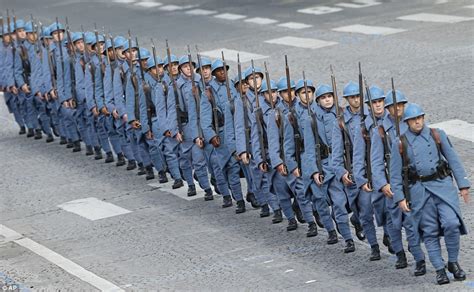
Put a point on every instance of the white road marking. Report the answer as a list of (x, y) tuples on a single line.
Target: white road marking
[(231, 55), (469, 6), (60, 261), (457, 128), (295, 25), (230, 16), (261, 20), (148, 4), (358, 4), (201, 12), (124, 1), (171, 7), (289, 271), (431, 17), (368, 29), (310, 281), (267, 262), (301, 42), (93, 208), (319, 10)]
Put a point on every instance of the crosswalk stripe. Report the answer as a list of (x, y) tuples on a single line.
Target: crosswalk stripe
[(295, 25), (93, 208), (124, 1), (201, 12), (367, 29), (457, 128), (358, 4), (469, 6), (431, 17), (319, 10), (231, 55), (148, 4), (171, 7), (306, 43), (230, 16), (261, 20)]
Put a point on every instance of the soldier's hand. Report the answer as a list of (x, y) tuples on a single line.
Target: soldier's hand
[(366, 187), (105, 111), (125, 118), (318, 179), (297, 172), (216, 141), (167, 134), (115, 114), (149, 135), (136, 124), (53, 94), (263, 167), (66, 104), (179, 137), (387, 191), (95, 112), (245, 158), (14, 90), (281, 168), (404, 206), (465, 195), (346, 180), (199, 142), (25, 88)]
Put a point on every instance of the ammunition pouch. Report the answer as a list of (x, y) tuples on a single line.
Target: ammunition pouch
[(442, 171)]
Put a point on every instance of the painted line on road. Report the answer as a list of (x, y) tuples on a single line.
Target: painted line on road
[(231, 55), (171, 8), (295, 25), (93, 208), (457, 128), (267, 262), (368, 29), (124, 1), (230, 16), (319, 10), (358, 4), (431, 17), (469, 6), (261, 20), (289, 271), (148, 4), (200, 12), (310, 281), (306, 43), (60, 261)]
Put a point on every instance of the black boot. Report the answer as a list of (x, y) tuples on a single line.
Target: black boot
[(375, 253), (250, 197), (120, 160), (264, 211), (292, 225), (213, 182), (332, 237), (109, 157), (49, 139), (22, 130), (77, 146), (227, 202), (420, 268), (297, 211), (62, 141), (132, 164), (401, 260), (141, 169), (149, 172), (191, 191), (38, 134), (162, 178), (178, 183), (31, 133), (208, 196), (358, 228), (277, 217), (89, 150), (240, 207), (350, 246), (441, 277), (387, 243), (318, 219), (98, 153), (70, 144), (457, 271), (312, 230)]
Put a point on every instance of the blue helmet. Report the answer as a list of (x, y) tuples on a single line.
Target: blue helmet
[(248, 72), (376, 93), (264, 88), (174, 59), (108, 45), (45, 33), (119, 42), (159, 60), (76, 36), (205, 62), (218, 64), (126, 46), (412, 111), (351, 89), (28, 27), (150, 63), (184, 60), (236, 78), (99, 38), (144, 54), (300, 84), (323, 89), (400, 97), (20, 23), (90, 37), (55, 26), (282, 84), (5, 29)]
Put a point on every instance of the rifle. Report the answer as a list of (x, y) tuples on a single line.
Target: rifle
[(71, 53), (197, 98), (103, 110), (175, 92), (227, 86), (61, 55), (150, 108), (259, 120), (23, 53), (86, 49), (366, 135), (314, 127), (3, 31), (212, 100), (245, 107), (293, 119), (345, 136), (134, 80)]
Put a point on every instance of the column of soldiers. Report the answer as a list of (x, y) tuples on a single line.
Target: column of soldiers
[(374, 162)]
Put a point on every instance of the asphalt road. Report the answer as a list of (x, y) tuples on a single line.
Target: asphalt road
[(168, 243)]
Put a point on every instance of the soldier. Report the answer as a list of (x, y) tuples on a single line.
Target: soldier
[(217, 121), (319, 168), (425, 166), (380, 153)]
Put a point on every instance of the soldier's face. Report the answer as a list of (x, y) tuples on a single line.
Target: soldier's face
[(305, 98), (153, 71), (7, 38), (101, 46), (111, 54), (119, 53), (58, 35), (326, 100), (288, 95), (161, 70), (378, 106), (31, 37), (143, 63), (354, 101), (416, 124), (131, 54), (243, 87), (79, 46), (271, 98), (400, 109), (186, 69), (206, 72), (174, 68), (258, 81), (220, 74), (21, 33)]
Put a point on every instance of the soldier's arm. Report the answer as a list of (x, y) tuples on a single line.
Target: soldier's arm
[(396, 180), (289, 145), (273, 140), (359, 159), (309, 163), (377, 160), (454, 162), (206, 118), (338, 152)]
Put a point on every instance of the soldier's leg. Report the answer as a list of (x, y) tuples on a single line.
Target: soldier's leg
[(155, 154), (219, 174), (232, 172), (31, 112), (319, 199), (270, 198), (171, 158), (430, 227), (366, 216), (102, 135), (298, 188), (13, 108), (413, 238), (339, 199), (281, 189), (450, 225), (200, 166), (185, 162), (40, 106), (114, 137)]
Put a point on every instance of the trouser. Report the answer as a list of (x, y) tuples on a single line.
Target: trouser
[(296, 184), (283, 192), (102, 134), (31, 114), (191, 157), (40, 106), (168, 144), (320, 203), (113, 135), (13, 108), (262, 184), (337, 196)]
